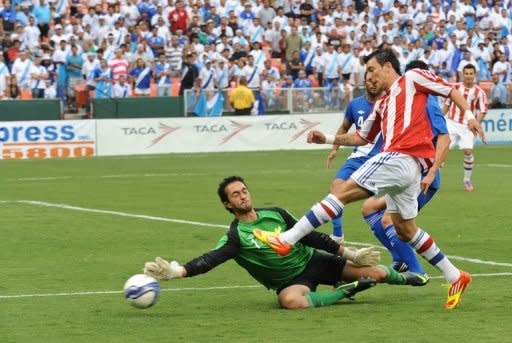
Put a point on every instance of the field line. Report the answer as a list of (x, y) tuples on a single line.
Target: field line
[(118, 213), (183, 289), (189, 222)]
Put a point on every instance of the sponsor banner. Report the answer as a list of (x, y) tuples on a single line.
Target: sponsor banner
[(47, 139), (498, 126), (180, 135)]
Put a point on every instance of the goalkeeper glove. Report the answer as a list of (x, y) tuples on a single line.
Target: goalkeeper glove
[(160, 269), (364, 257)]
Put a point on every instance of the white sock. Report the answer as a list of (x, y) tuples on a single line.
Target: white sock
[(427, 248), (468, 166), (319, 214)]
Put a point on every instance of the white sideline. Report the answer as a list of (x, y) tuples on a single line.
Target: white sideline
[(181, 221), (185, 289)]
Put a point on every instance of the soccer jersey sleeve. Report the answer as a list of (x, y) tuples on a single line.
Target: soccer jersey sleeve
[(228, 248), (427, 82), (371, 126)]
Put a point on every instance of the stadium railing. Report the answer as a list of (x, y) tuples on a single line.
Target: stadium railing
[(270, 101)]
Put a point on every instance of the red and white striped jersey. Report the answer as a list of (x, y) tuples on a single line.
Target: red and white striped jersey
[(474, 96), (402, 117)]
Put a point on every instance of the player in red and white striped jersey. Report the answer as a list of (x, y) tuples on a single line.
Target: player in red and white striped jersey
[(395, 172), (457, 124)]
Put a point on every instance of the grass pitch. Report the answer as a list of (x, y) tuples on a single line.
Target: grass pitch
[(74, 230)]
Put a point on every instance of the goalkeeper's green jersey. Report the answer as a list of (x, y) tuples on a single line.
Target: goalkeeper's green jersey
[(257, 258)]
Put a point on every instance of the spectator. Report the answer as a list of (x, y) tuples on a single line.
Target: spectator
[(13, 91), (21, 70), (499, 93), (178, 18), (163, 72), (38, 76), (42, 14), (73, 66), (122, 88), (295, 65), (292, 43), (119, 64), (103, 78), (141, 78), (189, 73)]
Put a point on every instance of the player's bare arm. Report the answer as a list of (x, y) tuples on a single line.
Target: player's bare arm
[(341, 130), (473, 123), (351, 139), (442, 148)]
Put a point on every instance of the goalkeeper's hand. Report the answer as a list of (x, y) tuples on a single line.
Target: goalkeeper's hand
[(160, 269), (364, 257)]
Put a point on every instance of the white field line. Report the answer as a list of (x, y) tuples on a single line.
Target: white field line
[(118, 213), (184, 289), (149, 175), (180, 221)]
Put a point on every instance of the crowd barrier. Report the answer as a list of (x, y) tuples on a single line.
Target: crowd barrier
[(113, 137)]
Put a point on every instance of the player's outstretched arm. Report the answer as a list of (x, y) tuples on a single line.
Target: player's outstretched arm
[(335, 147), (160, 269), (442, 148), (352, 139)]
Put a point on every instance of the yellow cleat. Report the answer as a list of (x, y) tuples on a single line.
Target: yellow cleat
[(456, 289), (272, 240)]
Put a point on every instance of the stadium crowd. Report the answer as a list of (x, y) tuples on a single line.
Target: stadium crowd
[(162, 47)]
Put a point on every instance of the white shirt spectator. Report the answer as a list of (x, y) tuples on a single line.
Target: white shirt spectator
[(121, 91)]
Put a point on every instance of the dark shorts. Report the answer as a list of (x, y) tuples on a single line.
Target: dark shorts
[(322, 269)]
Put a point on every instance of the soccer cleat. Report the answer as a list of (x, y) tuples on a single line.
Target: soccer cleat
[(272, 240), (338, 239), (456, 289), (415, 279), (399, 266), (468, 187), (360, 285)]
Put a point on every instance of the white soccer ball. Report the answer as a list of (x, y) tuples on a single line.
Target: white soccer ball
[(141, 291)]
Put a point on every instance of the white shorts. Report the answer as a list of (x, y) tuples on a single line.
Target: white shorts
[(397, 177), (140, 91), (460, 135)]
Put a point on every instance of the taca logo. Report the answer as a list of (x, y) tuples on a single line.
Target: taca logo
[(36, 133)]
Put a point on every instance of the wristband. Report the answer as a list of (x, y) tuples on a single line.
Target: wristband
[(469, 115), (329, 139)]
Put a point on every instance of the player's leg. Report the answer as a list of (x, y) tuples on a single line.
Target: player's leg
[(373, 211), (403, 214), (327, 209), (381, 274), (324, 211), (404, 257), (468, 169), (324, 269), (343, 174)]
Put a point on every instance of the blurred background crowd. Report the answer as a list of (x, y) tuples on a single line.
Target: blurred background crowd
[(112, 48)]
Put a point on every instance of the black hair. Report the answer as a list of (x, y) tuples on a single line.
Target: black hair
[(416, 64), (221, 190), (383, 56), (469, 66)]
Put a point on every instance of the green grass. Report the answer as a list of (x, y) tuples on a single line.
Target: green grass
[(54, 250)]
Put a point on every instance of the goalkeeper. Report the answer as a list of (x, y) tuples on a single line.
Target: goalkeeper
[(294, 277)]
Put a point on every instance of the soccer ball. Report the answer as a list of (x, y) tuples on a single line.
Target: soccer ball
[(141, 291)]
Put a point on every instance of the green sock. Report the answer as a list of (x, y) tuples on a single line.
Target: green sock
[(318, 299), (393, 277)]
